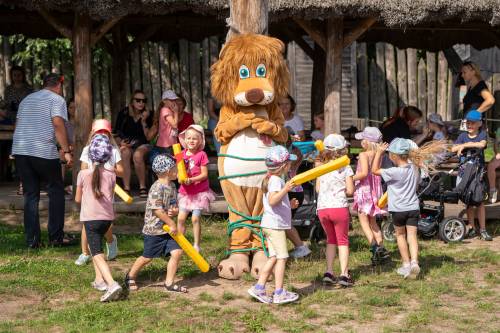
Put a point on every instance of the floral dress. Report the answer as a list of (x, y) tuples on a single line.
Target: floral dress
[(367, 192)]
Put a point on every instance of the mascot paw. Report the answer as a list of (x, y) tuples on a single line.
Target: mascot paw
[(233, 267), (258, 262), (263, 126)]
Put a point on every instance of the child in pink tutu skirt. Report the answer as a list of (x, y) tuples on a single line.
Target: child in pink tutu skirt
[(368, 189), (195, 194)]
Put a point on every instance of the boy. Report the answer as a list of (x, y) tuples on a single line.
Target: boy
[(469, 146), (492, 168), (160, 208)]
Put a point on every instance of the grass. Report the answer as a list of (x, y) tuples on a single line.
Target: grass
[(43, 291)]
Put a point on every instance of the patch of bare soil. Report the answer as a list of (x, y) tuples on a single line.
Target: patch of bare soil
[(14, 307)]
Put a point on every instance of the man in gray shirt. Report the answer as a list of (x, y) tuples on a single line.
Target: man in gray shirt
[(39, 125)]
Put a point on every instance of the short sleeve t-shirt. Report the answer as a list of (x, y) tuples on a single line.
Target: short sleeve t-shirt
[(34, 134), (466, 153), (473, 98), (166, 134), (187, 120), (296, 124), (93, 209), (109, 165), (332, 189), (402, 185), (279, 216), (193, 168), (160, 196)]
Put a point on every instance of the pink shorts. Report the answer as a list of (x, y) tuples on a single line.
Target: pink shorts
[(335, 222)]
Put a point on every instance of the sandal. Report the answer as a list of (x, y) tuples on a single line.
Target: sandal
[(176, 288), (130, 283), (143, 193)]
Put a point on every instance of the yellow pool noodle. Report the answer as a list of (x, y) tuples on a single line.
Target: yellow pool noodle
[(318, 144), (382, 202), (181, 167), (123, 195), (321, 170), (189, 249)]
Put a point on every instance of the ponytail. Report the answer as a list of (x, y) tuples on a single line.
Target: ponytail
[(96, 180), (427, 156)]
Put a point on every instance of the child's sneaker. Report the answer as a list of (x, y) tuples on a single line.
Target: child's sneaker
[(346, 281), (414, 270), (285, 297), (404, 271), (83, 259), (101, 286), (485, 236), (493, 196), (112, 248), (300, 252), (259, 294), (329, 278), (471, 233), (112, 293)]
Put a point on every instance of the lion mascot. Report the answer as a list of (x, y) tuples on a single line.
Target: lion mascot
[(247, 79)]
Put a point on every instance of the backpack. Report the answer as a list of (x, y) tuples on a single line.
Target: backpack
[(471, 189)]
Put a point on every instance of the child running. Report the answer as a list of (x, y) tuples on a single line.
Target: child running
[(95, 188), (333, 209), (276, 219), (368, 189), (194, 194), (101, 127), (161, 207)]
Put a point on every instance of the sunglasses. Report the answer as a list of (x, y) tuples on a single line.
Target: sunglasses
[(141, 100)]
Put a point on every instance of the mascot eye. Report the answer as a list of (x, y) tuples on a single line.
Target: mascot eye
[(261, 70), (244, 72)]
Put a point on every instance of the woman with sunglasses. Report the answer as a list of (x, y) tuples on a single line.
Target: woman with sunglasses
[(132, 128)]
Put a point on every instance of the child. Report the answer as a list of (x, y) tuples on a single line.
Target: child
[(368, 189), (165, 125), (160, 208), (492, 168), (470, 147), (436, 127), (194, 194), (101, 127), (404, 206), (333, 209), (276, 219), (319, 125), (95, 188)]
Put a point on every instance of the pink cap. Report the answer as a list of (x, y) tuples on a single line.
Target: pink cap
[(101, 124), (371, 134)]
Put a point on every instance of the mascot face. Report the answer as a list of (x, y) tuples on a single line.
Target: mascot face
[(251, 71)]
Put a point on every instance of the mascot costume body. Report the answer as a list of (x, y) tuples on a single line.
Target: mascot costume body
[(248, 79)]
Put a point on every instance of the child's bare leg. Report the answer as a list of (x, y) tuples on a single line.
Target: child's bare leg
[(181, 221), (173, 264), (471, 218), (109, 235), (195, 218), (103, 268), (402, 245), (364, 220), (481, 216), (411, 234), (279, 273), (266, 271), (84, 242), (377, 234), (343, 259), (330, 257), (98, 275), (137, 266)]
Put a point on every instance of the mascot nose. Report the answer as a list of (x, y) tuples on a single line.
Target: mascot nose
[(254, 95)]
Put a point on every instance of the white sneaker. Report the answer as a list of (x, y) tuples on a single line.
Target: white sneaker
[(300, 252), (414, 270), (83, 259), (404, 271), (493, 196), (112, 248), (197, 248), (101, 286), (112, 293)]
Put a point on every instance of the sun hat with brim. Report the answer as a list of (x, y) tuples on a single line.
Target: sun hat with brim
[(277, 156), (371, 134), (100, 149), (435, 118), (101, 125), (473, 115), (335, 142), (197, 128), (400, 146), (162, 163), (169, 94)]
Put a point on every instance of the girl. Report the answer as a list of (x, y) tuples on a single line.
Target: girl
[(435, 130), (94, 191), (276, 219), (294, 121), (401, 124), (333, 209), (101, 127), (194, 194), (165, 125), (319, 124), (368, 189)]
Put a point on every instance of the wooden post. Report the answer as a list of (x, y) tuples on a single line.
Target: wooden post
[(362, 77), (318, 81), (184, 72), (412, 76), (381, 80), (390, 71), (247, 17), (422, 86), (155, 74), (442, 86), (82, 60), (402, 77), (333, 73), (431, 82)]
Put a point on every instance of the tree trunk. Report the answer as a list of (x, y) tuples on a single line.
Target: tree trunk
[(318, 82), (247, 17), (333, 76)]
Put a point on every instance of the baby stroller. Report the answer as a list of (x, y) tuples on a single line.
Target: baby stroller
[(305, 219)]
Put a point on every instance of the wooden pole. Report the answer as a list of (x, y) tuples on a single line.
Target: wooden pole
[(362, 78), (82, 60), (333, 73), (318, 81), (359, 30), (247, 17), (315, 33)]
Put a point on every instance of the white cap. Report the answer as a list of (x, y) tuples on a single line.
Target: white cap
[(335, 142), (169, 94)]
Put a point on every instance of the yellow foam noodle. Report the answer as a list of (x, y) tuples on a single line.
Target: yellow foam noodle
[(189, 249), (123, 195), (321, 170), (318, 144), (382, 202), (181, 167)]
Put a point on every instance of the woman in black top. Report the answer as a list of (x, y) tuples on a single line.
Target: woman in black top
[(400, 125), (478, 95), (132, 128)]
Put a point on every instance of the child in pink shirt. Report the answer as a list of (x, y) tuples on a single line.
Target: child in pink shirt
[(166, 121), (195, 194)]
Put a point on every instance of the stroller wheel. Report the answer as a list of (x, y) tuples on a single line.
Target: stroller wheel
[(388, 231), (452, 229), (316, 234)]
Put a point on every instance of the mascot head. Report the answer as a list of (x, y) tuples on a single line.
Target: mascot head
[(250, 71)]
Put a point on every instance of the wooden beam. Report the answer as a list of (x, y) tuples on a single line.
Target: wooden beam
[(333, 73), (247, 17), (297, 38), (359, 30), (56, 24), (150, 31), (318, 82), (103, 29), (316, 34)]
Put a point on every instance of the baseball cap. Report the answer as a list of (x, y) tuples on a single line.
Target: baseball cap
[(197, 128), (169, 94), (100, 149), (335, 142), (278, 155), (400, 146), (101, 124), (435, 118), (473, 115), (162, 163), (371, 134)]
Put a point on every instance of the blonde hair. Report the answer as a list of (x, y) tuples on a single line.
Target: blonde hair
[(327, 155), (372, 146), (191, 130), (425, 156), (272, 172), (475, 68)]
